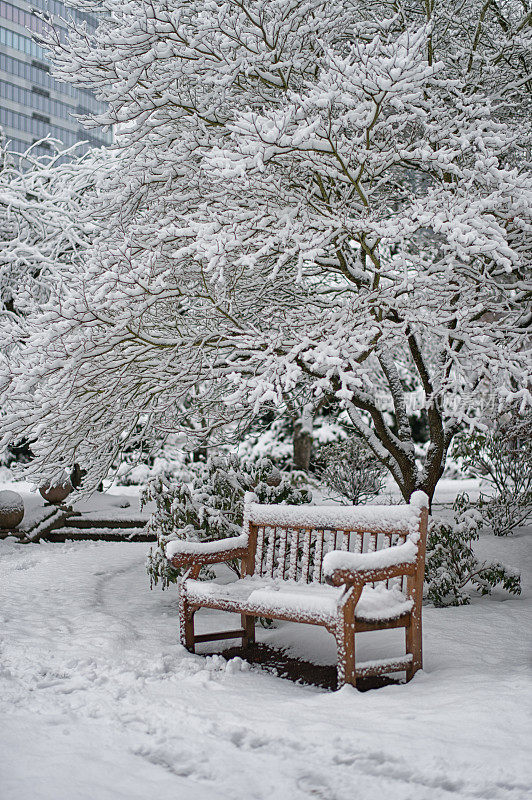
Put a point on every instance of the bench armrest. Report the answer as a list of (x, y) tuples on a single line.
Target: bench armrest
[(182, 553), (341, 567)]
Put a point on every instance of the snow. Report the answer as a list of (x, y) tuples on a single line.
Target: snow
[(98, 700), (116, 503), (296, 599), (447, 489), (120, 503), (182, 547), (362, 562), (271, 596), (401, 519), (263, 594)]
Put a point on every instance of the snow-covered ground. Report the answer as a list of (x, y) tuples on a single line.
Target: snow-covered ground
[(99, 702)]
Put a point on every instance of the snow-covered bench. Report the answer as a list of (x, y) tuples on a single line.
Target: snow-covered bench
[(349, 569)]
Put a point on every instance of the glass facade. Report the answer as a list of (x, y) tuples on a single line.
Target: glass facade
[(33, 104), (15, 41), (40, 100), (20, 17)]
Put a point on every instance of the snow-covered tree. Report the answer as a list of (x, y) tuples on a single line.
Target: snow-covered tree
[(40, 222), (42, 228), (321, 199)]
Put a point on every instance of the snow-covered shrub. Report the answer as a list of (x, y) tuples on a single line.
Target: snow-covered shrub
[(134, 472), (351, 470), (211, 506), (269, 437), (451, 565), (503, 458)]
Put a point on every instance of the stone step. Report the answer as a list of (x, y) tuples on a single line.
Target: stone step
[(86, 521), (37, 529), (106, 534)]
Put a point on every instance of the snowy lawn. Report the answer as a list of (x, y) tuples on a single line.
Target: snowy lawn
[(98, 701)]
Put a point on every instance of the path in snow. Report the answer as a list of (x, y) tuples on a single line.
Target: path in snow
[(99, 702)]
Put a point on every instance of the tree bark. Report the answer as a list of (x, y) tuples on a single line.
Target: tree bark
[(302, 441), (303, 425)]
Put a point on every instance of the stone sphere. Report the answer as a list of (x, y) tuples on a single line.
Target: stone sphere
[(56, 494), (274, 478), (11, 509)]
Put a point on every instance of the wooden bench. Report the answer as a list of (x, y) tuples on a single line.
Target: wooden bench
[(348, 569)]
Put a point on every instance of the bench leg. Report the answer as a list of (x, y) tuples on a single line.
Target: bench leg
[(248, 626), (345, 642), (189, 629), (413, 635), (186, 622)]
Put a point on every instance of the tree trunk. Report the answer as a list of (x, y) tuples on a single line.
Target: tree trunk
[(302, 439), (424, 482), (302, 447)]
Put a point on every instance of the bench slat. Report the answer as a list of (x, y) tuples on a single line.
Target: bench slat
[(213, 637), (259, 551), (294, 546), (366, 668), (305, 561), (282, 553), (270, 551), (318, 557)]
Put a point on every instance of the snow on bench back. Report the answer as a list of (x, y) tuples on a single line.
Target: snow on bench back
[(293, 540), (373, 519)]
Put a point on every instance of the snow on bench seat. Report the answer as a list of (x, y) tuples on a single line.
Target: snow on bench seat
[(288, 598)]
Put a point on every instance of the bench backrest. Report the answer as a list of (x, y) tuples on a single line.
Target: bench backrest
[(290, 542)]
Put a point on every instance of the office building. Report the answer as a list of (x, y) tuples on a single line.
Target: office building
[(32, 103)]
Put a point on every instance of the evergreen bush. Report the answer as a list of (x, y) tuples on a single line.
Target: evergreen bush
[(211, 506), (503, 458), (451, 565)]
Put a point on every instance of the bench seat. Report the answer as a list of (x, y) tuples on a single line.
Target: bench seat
[(266, 597)]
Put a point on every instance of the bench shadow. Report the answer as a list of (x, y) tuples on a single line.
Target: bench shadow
[(297, 670)]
